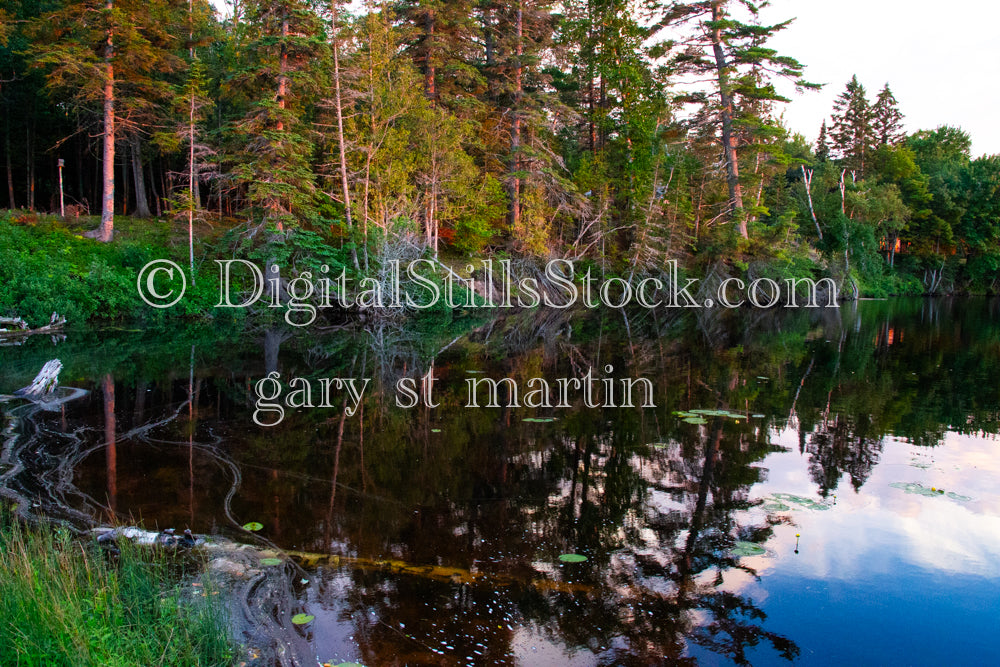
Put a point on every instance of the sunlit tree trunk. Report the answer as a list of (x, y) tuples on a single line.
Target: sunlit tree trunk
[(107, 228), (515, 129), (339, 108), (726, 112)]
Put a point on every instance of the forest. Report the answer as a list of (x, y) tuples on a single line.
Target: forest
[(624, 134)]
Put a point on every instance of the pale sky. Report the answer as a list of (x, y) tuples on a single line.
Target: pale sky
[(942, 61)]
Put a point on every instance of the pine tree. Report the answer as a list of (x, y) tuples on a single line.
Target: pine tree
[(111, 55), (282, 76), (441, 38), (735, 55), (887, 119), (823, 144), (852, 127)]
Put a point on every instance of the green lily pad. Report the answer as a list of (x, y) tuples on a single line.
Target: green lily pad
[(695, 420), (741, 549), (701, 413), (435, 430), (930, 492), (302, 619), (800, 501), (573, 558), (253, 526), (270, 561), (775, 506), (538, 420)]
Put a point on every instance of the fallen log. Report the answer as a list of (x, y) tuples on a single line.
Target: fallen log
[(21, 328)]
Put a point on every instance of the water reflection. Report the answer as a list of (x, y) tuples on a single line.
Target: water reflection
[(437, 532)]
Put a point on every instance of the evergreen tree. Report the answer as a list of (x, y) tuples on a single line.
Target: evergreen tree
[(823, 144), (282, 76), (111, 55), (852, 132), (735, 55), (441, 38), (887, 119)]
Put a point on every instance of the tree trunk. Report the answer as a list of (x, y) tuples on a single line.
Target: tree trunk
[(10, 169), (141, 201), (430, 71), (807, 177), (30, 158), (107, 229), (515, 130), (728, 136), (339, 107)]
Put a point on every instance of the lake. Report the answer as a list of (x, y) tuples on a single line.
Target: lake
[(811, 487)]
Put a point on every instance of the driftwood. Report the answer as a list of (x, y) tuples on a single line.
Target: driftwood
[(21, 328), (44, 384)]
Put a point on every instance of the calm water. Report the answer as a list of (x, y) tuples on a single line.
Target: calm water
[(846, 509)]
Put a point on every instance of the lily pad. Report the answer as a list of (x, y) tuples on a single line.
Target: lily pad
[(800, 501), (302, 619), (930, 492), (538, 420), (573, 558), (270, 561), (741, 549), (775, 506), (253, 526), (435, 430), (695, 420), (701, 413)]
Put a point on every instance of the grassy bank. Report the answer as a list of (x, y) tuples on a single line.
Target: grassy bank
[(63, 603)]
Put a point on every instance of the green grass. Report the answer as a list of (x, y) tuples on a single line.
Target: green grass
[(62, 602)]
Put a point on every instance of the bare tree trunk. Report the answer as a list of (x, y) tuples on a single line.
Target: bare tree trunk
[(728, 136), (141, 201), (339, 106), (107, 229), (515, 130), (843, 192), (10, 169), (807, 177), (30, 156), (430, 71)]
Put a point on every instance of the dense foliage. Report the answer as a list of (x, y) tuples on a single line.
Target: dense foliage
[(627, 133)]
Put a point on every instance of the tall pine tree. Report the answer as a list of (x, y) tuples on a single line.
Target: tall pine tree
[(734, 54), (852, 132), (887, 119), (282, 75), (823, 144), (109, 55)]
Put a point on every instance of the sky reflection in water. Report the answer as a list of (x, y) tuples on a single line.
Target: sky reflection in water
[(881, 394)]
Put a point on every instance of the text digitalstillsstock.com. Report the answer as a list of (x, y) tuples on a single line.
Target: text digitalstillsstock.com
[(425, 283), (162, 284)]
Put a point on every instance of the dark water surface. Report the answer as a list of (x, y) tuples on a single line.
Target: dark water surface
[(844, 510)]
